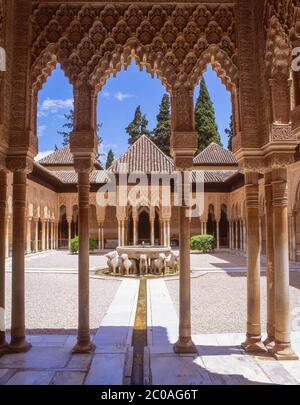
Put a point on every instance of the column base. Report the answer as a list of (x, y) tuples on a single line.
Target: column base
[(269, 343), (83, 347), (19, 345), (185, 345), (283, 351), (253, 344)]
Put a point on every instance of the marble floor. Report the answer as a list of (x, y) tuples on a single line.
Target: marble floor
[(220, 359)]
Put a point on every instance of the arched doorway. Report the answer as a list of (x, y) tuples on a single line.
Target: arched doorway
[(144, 231), (211, 221), (224, 227), (63, 228)]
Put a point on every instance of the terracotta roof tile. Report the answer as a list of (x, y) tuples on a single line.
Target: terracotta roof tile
[(71, 177), (143, 156), (215, 155), (59, 157)]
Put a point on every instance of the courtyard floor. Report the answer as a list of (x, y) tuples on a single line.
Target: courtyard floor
[(218, 324)]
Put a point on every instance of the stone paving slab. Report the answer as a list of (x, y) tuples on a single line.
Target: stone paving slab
[(221, 359)]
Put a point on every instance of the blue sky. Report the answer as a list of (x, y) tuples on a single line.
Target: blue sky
[(117, 102)]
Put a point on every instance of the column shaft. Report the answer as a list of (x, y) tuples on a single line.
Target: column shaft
[(152, 232), (83, 339), (218, 235), (18, 340), (28, 236), (253, 341), (282, 349), (270, 261), (184, 343), (3, 239)]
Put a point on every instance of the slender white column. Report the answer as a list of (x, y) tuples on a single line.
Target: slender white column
[(43, 235), (218, 235), (102, 237), (28, 236), (293, 238), (245, 236), (36, 234), (7, 237), (99, 238), (152, 232), (241, 234), (69, 234), (135, 236)]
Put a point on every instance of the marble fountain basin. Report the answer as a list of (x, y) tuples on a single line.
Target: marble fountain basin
[(152, 252)]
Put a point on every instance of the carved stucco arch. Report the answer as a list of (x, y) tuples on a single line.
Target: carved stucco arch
[(95, 40)]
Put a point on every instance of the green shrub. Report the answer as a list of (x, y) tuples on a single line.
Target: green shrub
[(93, 244), (75, 244), (203, 243)]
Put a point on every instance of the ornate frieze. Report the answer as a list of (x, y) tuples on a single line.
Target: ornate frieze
[(166, 39)]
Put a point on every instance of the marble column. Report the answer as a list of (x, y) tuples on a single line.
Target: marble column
[(230, 230), (184, 343), (3, 238), (43, 235), (218, 234), (36, 234), (293, 237), (245, 237), (269, 342), (7, 241), (47, 234), (135, 233), (253, 341), (83, 344), (28, 235), (18, 338), (183, 146), (241, 235), (69, 233), (52, 234), (99, 237), (152, 232), (282, 349), (102, 237)]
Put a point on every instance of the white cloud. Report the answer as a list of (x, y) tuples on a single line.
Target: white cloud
[(41, 130), (53, 106), (122, 96), (41, 155), (105, 93)]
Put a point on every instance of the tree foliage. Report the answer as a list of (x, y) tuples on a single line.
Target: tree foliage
[(110, 159), (162, 132), (230, 133), (137, 127), (205, 120)]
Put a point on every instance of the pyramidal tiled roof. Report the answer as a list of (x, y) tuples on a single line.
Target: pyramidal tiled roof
[(143, 156), (215, 154), (59, 157)]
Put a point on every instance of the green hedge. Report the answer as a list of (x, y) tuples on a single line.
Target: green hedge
[(75, 244), (203, 243)]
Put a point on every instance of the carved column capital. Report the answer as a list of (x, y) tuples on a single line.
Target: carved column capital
[(83, 164), (19, 163)]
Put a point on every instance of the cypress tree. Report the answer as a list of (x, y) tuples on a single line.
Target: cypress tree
[(162, 132), (205, 119), (229, 132), (110, 159), (137, 127)]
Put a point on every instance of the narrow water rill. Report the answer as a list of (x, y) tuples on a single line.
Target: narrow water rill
[(139, 337)]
